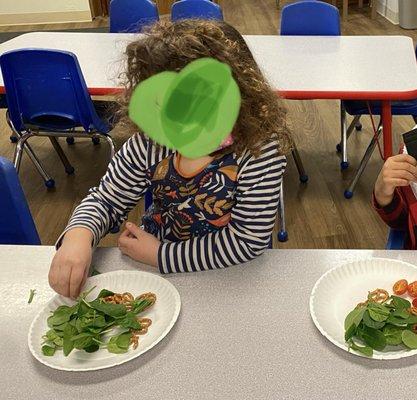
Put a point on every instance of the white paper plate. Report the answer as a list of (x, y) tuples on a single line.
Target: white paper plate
[(337, 292), (164, 313)]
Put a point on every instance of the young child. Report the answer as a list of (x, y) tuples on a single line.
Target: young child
[(394, 198), (207, 213)]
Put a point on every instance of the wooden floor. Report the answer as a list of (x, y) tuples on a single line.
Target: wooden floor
[(318, 216)]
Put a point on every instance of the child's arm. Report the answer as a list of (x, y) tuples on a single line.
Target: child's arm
[(249, 231), (105, 208), (398, 171)]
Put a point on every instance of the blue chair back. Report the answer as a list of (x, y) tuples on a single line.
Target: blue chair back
[(202, 9), (310, 17), (16, 223), (396, 240), (46, 88), (132, 15)]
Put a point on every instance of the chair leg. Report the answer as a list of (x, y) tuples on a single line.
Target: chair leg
[(343, 140), (69, 169), (299, 164), (355, 124), (111, 145), (19, 149), (368, 153), (282, 233)]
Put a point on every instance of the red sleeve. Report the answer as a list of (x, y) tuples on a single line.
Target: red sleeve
[(395, 214)]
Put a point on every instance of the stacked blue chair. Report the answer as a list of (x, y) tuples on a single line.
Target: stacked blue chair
[(201, 9), (16, 222), (132, 15), (47, 96)]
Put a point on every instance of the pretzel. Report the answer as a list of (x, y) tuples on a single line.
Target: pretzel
[(378, 296)]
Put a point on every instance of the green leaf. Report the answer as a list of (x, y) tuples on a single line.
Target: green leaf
[(350, 332), (61, 315), (354, 317), (401, 313), (400, 303), (68, 345), (31, 295), (139, 306), (396, 321), (105, 293), (378, 312), (373, 338), (412, 319), (365, 350), (130, 321), (48, 350), (392, 335), (120, 343), (371, 323), (113, 310), (92, 348), (409, 339)]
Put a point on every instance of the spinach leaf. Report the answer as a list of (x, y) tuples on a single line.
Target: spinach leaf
[(378, 312), (366, 350), (409, 339), (401, 313), (140, 305), (68, 345), (92, 348), (371, 323), (61, 315), (373, 338), (392, 335), (130, 321), (31, 295), (105, 293), (354, 317), (113, 310), (48, 350), (412, 319), (120, 343), (400, 303), (396, 321)]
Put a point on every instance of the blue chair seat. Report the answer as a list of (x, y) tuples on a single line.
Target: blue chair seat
[(356, 107)]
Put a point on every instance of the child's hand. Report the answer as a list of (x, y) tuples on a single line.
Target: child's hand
[(69, 268), (139, 245), (399, 170)]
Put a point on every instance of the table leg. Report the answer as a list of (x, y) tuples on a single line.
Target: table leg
[(373, 9), (345, 9), (387, 128), (360, 3)]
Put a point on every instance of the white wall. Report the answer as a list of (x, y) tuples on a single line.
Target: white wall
[(389, 9), (22, 11)]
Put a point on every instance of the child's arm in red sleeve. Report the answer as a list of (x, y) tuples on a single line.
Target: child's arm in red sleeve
[(395, 214)]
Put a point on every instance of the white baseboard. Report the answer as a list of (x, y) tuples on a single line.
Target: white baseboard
[(390, 15), (45, 18)]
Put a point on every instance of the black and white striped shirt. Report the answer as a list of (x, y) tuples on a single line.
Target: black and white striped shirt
[(246, 236)]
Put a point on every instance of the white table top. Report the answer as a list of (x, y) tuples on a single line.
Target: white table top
[(303, 67), (262, 344)]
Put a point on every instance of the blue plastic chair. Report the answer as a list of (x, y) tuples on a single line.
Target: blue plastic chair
[(47, 96), (132, 15), (201, 9), (396, 240), (310, 17), (16, 222)]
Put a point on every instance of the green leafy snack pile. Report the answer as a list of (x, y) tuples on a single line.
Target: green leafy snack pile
[(87, 324), (381, 321)]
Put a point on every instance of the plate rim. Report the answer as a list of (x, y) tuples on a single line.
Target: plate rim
[(174, 319), (324, 332)]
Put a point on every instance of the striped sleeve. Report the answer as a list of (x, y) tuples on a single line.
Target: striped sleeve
[(249, 231), (125, 182)]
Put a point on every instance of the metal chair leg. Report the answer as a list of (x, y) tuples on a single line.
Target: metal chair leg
[(282, 233), (368, 153), (69, 169), (111, 145), (299, 164), (343, 141), (19, 149)]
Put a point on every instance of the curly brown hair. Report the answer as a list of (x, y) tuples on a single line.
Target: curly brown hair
[(170, 46)]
